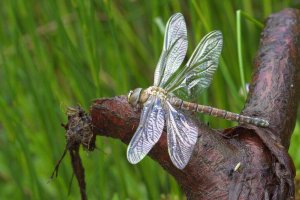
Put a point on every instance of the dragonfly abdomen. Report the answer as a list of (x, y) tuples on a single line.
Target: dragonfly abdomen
[(184, 105)]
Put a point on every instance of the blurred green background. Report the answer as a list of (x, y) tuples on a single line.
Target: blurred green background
[(56, 53)]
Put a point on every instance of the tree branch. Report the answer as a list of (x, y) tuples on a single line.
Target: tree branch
[(266, 170), (275, 89)]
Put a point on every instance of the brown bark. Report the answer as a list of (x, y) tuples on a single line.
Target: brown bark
[(266, 170)]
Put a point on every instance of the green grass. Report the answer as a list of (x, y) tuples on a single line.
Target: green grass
[(59, 53)]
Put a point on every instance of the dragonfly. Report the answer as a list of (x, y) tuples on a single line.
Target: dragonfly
[(161, 104)]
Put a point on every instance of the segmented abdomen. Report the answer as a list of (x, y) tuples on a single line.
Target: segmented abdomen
[(217, 112)]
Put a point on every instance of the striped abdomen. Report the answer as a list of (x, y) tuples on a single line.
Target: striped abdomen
[(217, 112)]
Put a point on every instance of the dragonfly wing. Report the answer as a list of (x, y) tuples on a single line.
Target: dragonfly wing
[(149, 130), (182, 136), (199, 70), (174, 49)]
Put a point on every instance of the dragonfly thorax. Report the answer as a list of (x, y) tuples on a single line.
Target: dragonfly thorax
[(156, 91), (140, 96)]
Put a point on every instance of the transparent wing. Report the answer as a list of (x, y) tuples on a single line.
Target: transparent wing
[(148, 132), (198, 72), (182, 136), (174, 49)]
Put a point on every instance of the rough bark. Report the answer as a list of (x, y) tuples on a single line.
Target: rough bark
[(266, 170)]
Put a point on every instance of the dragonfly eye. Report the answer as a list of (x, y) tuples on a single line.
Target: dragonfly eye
[(129, 95), (134, 96)]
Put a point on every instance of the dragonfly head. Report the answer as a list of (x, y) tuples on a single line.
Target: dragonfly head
[(134, 96)]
